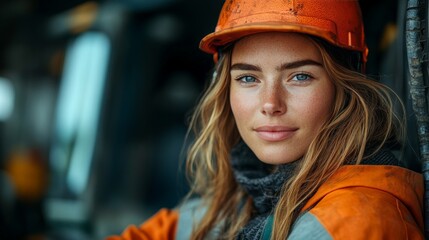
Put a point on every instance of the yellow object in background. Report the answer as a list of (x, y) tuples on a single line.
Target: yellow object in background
[(28, 173), (389, 35)]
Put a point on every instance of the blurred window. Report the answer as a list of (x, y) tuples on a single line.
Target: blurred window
[(78, 110), (7, 97)]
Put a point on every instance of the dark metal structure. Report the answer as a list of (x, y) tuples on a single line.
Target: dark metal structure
[(417, 52)]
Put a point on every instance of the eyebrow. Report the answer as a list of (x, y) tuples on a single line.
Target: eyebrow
[(285, 66)]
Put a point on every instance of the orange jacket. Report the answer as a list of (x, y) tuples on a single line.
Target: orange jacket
[(357, 202)]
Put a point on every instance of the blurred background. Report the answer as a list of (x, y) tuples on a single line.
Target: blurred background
[(94, 102)]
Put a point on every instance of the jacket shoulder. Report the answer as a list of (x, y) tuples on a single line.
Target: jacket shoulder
[(365, 213), (190, 213)]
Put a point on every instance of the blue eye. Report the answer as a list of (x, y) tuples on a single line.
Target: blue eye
[(247, 79), (301, 77)]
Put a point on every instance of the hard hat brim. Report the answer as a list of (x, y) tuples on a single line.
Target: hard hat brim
[(213, 41)]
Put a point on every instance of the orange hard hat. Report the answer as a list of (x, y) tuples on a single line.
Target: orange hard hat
[(339, 22)]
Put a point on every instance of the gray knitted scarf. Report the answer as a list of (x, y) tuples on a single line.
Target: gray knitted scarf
[(263, 183)]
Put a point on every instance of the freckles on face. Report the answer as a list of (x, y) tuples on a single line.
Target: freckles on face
[(280, 94)]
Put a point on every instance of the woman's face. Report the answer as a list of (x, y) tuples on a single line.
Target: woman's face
[(280, 94)]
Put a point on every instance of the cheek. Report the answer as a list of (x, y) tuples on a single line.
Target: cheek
[(238, 111), (320, 106), (313, 108), (240, 106)]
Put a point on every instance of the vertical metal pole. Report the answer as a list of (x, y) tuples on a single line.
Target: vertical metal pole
[(415, 31)]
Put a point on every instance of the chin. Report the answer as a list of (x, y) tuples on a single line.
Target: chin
[(273, 159)]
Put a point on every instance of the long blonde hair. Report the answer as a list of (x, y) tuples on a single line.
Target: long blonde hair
[(362, 116)]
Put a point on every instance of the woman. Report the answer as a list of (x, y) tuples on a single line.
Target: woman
[(292, 140)]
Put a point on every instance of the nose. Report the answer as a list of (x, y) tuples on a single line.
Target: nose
[(273, 101)]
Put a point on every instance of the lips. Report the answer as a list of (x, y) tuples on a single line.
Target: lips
[(275, 133)]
